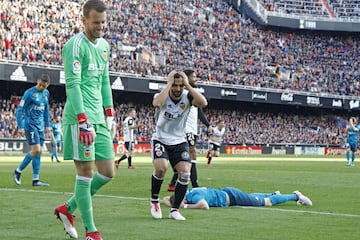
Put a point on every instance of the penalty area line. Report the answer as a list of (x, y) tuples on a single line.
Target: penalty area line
[(147, 199)]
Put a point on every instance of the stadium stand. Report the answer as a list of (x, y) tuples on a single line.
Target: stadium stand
[(243, 127)]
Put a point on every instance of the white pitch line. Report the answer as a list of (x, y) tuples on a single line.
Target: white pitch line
[(147, 199), (304, 211)]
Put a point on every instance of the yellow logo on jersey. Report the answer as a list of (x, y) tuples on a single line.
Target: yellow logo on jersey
[(182, 106), (104, 54), (87, 153)]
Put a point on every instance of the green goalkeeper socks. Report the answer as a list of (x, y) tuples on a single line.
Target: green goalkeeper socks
[(97, 182)]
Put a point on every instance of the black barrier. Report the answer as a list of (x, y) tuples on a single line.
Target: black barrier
[(150, 84), (20, 146)]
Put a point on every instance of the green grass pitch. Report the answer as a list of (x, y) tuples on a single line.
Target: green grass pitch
[(122, 210)]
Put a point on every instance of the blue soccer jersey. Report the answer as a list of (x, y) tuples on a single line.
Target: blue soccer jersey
[(353, 134), (33, 110), (214, 197), (352, 138), (57, 128)]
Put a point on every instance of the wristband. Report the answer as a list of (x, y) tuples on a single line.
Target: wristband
[(186, 205), (109, 112), (82, 118)]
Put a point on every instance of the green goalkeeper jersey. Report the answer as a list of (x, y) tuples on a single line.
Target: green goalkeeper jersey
[(87, 83)]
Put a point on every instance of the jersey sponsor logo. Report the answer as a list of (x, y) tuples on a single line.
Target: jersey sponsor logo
[(39, 108), (76, 67), (117, 84), (18, 75)]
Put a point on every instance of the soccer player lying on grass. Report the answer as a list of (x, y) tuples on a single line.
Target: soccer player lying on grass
[(204, 198)]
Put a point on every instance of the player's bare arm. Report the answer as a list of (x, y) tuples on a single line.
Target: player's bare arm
[(202, 204), (198, 99), (159, 99)]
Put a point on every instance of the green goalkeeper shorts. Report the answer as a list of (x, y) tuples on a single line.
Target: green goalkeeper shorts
[(102, 149)]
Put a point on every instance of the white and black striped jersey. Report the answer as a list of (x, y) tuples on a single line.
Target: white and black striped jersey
[(171, 121)]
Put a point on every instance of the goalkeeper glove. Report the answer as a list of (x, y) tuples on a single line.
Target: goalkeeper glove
[(86, 131), (110, 115)]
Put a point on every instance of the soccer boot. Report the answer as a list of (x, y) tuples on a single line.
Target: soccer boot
[(17, 177), (93, 236), (175, 214), (171, 188), (155, 210), (38, 183), (61, 212), (302, 199)]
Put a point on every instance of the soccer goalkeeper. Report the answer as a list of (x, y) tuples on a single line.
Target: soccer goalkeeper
[(86, 133)]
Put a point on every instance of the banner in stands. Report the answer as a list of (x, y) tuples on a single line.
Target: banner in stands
[(143, 148), (246, 150), (16, 146), (150, 85)]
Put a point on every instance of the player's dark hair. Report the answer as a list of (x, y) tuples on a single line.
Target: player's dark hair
[(177, 75), (131, 109), (96, 5), (188, 72), (45, 78)]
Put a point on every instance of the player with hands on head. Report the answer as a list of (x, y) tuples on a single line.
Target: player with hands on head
[(32, 114), (87, 138), (169, 141), (191, 131), (352, 141)]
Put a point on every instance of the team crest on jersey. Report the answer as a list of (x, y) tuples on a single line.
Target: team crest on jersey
[(87, 153), (36, 95), (104, 54), (192, 142), (182, 106), (76, 67), (185, 155)]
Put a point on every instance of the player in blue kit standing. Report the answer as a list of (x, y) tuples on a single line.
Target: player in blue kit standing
[(32, 117), (352, 141), (57, 131)]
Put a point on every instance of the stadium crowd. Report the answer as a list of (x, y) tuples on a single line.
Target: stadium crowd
[(242, 127), (153, 37)]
